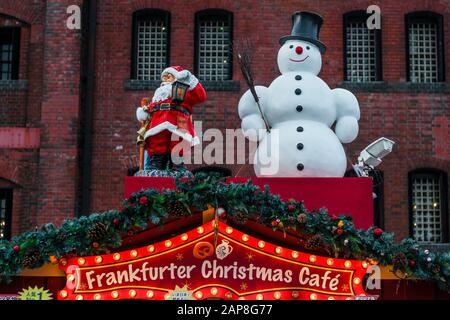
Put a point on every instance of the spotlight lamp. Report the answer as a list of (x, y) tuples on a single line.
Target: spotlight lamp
[(371, 156)]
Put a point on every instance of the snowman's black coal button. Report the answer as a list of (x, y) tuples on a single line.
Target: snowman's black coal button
[(300, 146), (300, 129), (298, 77), (299, 108), (300, 167), (298, 91)]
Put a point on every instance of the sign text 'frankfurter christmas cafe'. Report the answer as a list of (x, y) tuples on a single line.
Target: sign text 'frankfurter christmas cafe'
[(202, 263)]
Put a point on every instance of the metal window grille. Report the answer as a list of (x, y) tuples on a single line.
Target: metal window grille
[(423, 52), (7, 56), (2, 218), (214, 49), (5, 213), (426, 207), (361, 52), (152, 35)]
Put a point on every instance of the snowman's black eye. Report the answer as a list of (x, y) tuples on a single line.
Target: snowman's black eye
[(291, 46), (307, 47)]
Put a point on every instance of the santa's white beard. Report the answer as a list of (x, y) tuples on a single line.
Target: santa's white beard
[(163, 92)]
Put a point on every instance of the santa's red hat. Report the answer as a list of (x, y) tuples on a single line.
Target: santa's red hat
[(173, 70)]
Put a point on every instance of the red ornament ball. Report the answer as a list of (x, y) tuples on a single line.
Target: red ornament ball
[(16, 248), (95, 245), (143, 200), (340, 231), (274, 223), (377, 232), (291, 207), (221, 213), (412, 263), (116, 221)]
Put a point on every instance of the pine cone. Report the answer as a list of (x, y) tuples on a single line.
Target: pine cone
[(302, 218), (31, 259), (436, 269), (97, 232), (400, 261), (177, 209), (239, 217), (314, 243)]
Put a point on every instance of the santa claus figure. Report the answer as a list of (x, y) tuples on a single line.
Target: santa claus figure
[(169, 120)]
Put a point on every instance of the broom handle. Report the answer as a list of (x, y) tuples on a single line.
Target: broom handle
[(249, 81)]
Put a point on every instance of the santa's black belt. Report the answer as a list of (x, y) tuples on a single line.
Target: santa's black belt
[(168, 106)]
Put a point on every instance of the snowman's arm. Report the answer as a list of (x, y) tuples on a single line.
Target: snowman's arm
[(347, 115), (252, 124)]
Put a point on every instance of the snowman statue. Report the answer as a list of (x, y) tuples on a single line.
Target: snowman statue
[(300, 109)]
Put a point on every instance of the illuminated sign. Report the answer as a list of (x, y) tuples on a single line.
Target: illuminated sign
[(204, 264)]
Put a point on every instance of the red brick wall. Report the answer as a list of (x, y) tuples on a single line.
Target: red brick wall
[(13, 110), (59, 116), (21, 108), (417, 121)]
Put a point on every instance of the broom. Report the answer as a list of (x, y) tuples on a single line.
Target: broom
[(244, 55)]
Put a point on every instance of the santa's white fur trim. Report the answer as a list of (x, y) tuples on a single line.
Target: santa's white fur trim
[(172, 128), (141, 115), (193, 81), (171, 71)]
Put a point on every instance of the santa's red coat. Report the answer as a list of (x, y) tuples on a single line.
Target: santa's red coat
[(176, 121)]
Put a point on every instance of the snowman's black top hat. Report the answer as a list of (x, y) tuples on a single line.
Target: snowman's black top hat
[(306, 26)]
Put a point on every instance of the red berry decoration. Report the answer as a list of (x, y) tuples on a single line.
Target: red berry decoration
[(291, 207), (143, 200), (116, 221), (340, 231), (16, 248), (274, 223), (412, 263), (95, 245), (377, 232)]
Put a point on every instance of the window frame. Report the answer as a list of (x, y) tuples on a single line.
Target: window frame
[(443, 183), (361, 15), (219, 14), (426, 16), (7, 193), (16, 34), (147, 14)]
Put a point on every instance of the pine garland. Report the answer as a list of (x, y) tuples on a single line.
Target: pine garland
[(101, 232)]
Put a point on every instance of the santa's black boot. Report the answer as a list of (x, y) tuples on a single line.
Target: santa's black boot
[(157, 162), (177, 166)]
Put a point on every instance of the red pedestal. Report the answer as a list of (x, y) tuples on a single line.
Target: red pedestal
[(352, 196)]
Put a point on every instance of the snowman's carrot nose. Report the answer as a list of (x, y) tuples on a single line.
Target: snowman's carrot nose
[(299, 50)]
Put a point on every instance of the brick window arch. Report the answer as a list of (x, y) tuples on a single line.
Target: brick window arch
[(424, 47), (428, 203), (213, 39), (151, 43), (362, 49)]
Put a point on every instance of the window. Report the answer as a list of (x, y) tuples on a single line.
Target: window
[(9, 53), (428, 206), (150, 44), (213, 56), (362, 47), (424, 47), (5, 213)]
